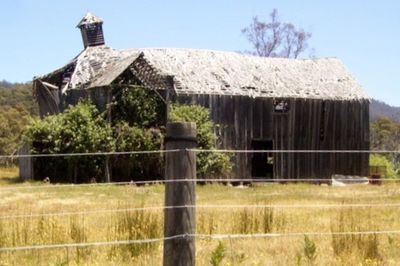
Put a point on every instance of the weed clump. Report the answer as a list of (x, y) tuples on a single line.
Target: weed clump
[(344, 243), (310, 250), (136, 226), (218, 254), (250, 221)]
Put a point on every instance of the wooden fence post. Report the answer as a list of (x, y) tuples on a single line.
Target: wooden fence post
[(180, 221)]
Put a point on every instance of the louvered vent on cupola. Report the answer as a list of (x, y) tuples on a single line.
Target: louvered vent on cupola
[(91, 28)]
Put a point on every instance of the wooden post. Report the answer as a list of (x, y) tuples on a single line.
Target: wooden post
[(180, 221)]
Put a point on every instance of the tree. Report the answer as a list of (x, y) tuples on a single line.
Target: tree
[(275, 38), (385, 135)]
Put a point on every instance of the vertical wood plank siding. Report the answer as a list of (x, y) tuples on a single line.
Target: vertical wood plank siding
[(345, 126)]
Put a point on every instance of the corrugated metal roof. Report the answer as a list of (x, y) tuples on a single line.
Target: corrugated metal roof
[(214, 72)]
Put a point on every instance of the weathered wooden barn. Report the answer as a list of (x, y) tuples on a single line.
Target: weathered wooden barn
[(260, 103)]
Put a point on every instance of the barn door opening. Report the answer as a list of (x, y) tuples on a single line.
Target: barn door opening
[(262, 162)]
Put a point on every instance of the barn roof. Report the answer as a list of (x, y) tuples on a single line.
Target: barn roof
[(214, 72)]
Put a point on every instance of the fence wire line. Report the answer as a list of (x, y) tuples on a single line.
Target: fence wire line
[(198, 236), (215, 206), (269, 235), (91, 244), (85, 154), (16, 156), (216, 180), (292, 151)]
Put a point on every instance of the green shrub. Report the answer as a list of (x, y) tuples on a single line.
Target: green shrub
[(381, 160), (137, 106), (137, 115), (80, 129), (209, 164), (141, 166)]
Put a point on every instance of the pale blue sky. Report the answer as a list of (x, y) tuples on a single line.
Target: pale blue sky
[(39, 36)]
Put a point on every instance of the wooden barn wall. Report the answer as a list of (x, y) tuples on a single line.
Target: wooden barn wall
[(99, 96), (48, 100), (310, 124), (25, 163)]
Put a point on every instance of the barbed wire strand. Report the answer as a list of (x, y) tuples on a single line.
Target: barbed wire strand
[(221, 206), (198, 236), (267, 235), (85, 154), (292, 151), (91, 244), (16, 156), (228, 180)]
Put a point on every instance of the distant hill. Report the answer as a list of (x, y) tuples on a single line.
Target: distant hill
[(17, 107), (17, 96), (7, 84), (379, 109)]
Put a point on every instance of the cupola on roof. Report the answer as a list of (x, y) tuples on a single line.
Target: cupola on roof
[(89, 18), (92, 30)]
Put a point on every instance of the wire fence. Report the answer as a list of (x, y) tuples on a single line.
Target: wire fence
[(220, 207), (198, 180), (16, 156), (195, 236), (226, 207), (198, 151)]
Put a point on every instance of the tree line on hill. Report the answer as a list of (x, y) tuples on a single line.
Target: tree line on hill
[(17, 107)]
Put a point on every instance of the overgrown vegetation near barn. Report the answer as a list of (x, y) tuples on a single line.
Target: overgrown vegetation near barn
[(135, 125)]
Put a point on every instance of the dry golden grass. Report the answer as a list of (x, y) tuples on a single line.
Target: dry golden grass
[(328, 250)]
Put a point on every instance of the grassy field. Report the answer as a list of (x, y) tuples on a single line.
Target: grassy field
[(18, 198)]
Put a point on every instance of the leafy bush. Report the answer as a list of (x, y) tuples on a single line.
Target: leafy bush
[(80, 129), (137, 114), (381, 160), (384, 135), (137, 167), (209, 164), (205, 126), (135, 127), (137, 106)]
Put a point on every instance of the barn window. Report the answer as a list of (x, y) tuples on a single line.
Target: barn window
[(281, 106)]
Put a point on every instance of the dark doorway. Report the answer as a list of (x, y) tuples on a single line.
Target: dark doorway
[(263, 162)]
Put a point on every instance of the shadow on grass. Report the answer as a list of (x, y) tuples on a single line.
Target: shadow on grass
[(9, 176), (11, 180)]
